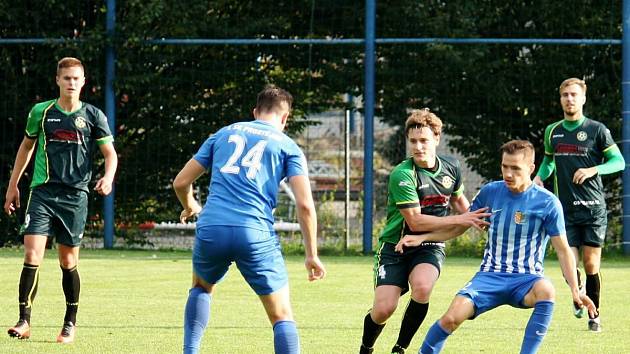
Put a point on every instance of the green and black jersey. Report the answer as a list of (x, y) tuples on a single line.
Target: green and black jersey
[(65, 143), (412, 186), (575, 146)]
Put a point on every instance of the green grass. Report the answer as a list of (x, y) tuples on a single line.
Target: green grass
[(132, 302)]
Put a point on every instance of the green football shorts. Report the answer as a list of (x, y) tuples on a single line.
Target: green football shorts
[(393, 268), (56, 211), (586, 227)]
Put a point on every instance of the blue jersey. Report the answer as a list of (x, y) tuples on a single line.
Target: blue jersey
[(247, 161), (519, 227)]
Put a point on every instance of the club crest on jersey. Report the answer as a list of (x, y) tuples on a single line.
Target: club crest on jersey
[(581, 136), (79, 122), (447, 182), (520, 218)]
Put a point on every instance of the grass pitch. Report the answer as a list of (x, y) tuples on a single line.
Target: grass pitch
[(133, 301)]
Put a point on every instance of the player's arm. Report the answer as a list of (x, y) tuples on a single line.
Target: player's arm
[(441, 235), (307, 217), (421, 222), (23, 156), (614, 162), (104, 184), (547, 166), (183, 189), (567, 264)]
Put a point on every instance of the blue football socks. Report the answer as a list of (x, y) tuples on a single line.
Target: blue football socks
[(285, 338), (196, 317), (434, 339), (537, 327)]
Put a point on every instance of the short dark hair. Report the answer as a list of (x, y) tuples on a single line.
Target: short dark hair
[(69, 62), (271, 99), (518, 146), (420, 118)]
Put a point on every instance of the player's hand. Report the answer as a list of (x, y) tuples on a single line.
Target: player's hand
[(104, 186), (314, 268), (583, 300), (12, 200), (582, 174), (476, 219), (409, 241), (189, 212), (538, 181)]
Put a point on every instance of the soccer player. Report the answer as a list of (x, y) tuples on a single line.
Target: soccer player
[(580, 150), (524, 217), (66, 132), (247, 161), (422, 189)]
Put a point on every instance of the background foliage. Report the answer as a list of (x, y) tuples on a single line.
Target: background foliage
[(169, 98)]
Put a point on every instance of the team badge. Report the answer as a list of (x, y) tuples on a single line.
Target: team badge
[(447, 182), (79, 122), (520, 218), (581, 136)]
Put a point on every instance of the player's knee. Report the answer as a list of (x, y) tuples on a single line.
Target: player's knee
[(422, 292), (382, 311), (544, 291), (449, 322), (32, 256), (591, 266)]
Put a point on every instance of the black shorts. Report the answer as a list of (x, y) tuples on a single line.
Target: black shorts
[(56, 211), (393, 268), (586, 227)]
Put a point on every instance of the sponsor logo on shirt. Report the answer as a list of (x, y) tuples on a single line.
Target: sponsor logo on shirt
[(435, 199), (558, 136), (586, 202), (56, 120), (404, 184), (570, 150), (423, 186), (65, 136), (581, 136)]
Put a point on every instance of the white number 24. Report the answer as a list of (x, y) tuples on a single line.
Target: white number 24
[(251, 160)]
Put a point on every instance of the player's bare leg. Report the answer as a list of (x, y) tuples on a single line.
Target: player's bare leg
[(460, 310), (278, 308), (385, 303), (422, 280)]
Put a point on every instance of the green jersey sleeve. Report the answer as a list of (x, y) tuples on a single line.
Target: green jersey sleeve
[(402, 189), (35, 117)]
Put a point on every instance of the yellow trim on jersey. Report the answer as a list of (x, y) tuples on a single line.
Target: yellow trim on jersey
[(610, 147), (44, 140)]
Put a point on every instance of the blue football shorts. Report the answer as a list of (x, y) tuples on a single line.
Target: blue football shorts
[(257, 255), (488, 290)]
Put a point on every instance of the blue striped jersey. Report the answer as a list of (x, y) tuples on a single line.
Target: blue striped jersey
[(519, 227), (247, 161)]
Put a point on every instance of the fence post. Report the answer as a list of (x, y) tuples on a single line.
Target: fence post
[(368, 101), (110, 112), (625, 123)]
